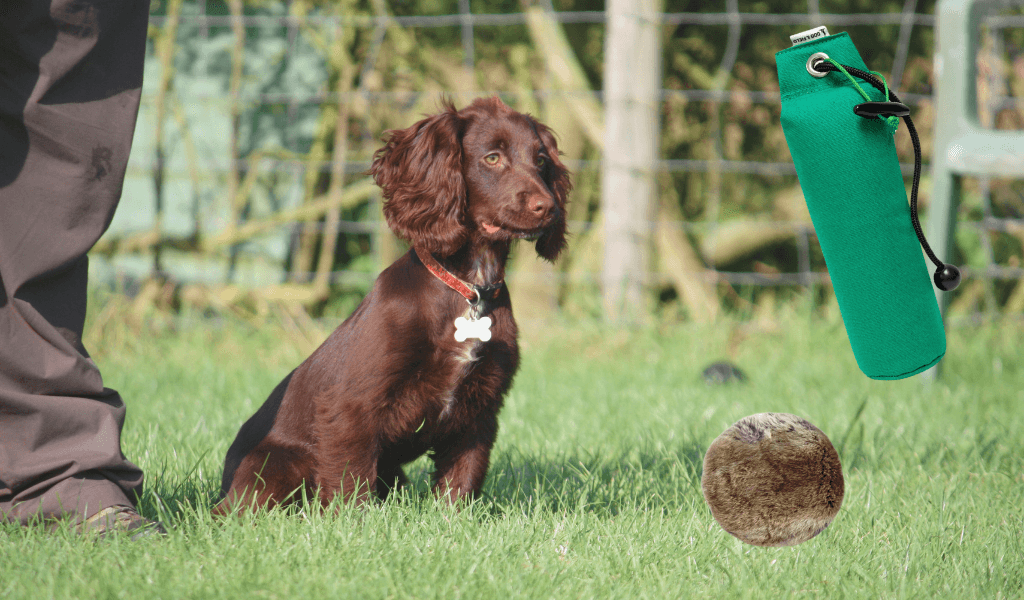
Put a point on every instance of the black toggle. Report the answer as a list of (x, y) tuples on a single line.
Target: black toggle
[(870, 110), (947, 277)]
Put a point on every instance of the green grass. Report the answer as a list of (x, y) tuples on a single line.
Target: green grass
[(594, 489)]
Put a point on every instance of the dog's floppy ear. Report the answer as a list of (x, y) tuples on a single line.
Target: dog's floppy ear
[(419, 170), (557, 177)]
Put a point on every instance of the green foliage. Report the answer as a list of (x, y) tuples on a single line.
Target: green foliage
[(288, 113)]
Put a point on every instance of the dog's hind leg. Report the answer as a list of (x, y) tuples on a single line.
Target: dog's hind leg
[(270, 475)]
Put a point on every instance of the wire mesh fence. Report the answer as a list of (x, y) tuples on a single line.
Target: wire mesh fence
[(259, 120)]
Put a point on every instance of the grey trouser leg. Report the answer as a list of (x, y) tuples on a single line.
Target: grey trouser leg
[(70, 81)]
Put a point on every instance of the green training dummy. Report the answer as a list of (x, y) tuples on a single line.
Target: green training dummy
[(839, 120)]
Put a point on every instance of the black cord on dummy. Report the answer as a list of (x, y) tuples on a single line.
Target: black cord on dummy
[(946, 276)]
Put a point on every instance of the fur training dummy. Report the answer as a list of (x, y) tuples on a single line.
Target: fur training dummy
[(773, 479)]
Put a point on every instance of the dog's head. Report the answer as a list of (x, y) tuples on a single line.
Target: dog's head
[(485, 171)]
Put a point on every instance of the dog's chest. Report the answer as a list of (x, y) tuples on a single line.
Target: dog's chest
[(465, 355)]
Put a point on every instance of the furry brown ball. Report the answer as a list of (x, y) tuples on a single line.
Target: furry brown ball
[(773, 479)]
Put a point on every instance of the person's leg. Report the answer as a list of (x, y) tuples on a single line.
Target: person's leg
[(70, 81)]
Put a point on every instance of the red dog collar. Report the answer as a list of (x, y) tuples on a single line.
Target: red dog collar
[(474, 294)]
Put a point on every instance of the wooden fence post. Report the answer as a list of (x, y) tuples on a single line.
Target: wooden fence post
[(632, 79)]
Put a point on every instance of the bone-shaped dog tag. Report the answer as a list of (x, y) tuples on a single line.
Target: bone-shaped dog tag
[(465, 329)]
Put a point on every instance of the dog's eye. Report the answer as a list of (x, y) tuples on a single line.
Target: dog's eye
[(541, 161), (492, 158)]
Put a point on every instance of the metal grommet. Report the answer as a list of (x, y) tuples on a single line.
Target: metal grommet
[(811, 60)]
